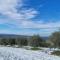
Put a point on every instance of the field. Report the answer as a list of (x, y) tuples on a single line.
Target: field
[(10, 53)]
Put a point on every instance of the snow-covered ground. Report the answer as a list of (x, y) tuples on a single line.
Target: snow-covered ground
[(9, 53)]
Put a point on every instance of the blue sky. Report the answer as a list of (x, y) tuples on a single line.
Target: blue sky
[(29, 17)]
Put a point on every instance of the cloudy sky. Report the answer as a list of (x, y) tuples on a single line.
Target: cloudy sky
[(28, 17)]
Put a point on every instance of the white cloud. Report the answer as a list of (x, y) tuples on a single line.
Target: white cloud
[(23, 19), (38, 25), (8, 7)]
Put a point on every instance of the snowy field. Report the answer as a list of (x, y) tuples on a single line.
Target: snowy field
[(9, 53)]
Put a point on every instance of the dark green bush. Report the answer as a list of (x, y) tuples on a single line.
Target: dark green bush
[(56, 53)]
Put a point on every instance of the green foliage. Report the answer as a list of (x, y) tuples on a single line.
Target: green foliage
[(23, 42), (35, 40), (44, 44), (56, 53), (55, 39), (4, 41), (11, 41)]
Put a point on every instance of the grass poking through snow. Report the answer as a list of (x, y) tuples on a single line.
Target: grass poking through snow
[(35, 48)]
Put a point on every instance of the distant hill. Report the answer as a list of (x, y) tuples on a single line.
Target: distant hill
[(45, 38), (17, 36), (11, 36)]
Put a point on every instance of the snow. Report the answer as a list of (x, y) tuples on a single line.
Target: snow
[(9, 53)]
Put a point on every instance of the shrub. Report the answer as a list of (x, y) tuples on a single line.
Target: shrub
[(56, 53)]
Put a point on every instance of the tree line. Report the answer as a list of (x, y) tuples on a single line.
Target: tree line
[(35, 41)]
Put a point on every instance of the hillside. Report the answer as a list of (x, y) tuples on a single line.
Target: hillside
[(17, 36)]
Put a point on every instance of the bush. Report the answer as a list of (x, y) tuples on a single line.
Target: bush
[(55, 39), (35, 41), (56, 53), (44, 44)]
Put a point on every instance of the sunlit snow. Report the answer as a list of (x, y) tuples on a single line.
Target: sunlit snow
[(9, 53)]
